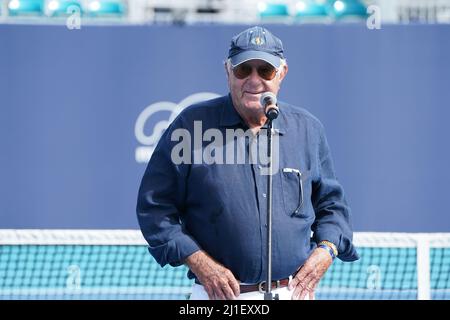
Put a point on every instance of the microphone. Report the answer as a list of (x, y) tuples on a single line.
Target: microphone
[(269, 102)]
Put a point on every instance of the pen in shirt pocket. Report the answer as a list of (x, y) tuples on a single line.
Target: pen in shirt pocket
[(292, 170), (300, 187)]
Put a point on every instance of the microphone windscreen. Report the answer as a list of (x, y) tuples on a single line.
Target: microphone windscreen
[(268, 98)]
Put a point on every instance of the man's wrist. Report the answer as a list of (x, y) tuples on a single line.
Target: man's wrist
[(194, 259), (330, 247)]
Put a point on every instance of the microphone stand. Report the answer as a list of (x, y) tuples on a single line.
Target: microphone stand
[(272, 114)]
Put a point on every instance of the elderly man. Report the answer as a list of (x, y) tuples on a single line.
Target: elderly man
[(210, 215)]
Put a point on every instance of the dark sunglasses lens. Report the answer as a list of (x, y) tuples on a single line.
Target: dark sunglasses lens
[(242, 71), (267, 72)]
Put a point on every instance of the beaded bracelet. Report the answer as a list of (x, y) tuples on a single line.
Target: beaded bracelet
[(330, 251), (331, 245)]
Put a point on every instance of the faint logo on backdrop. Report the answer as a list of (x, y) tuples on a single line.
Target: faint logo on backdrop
[(164, 112)]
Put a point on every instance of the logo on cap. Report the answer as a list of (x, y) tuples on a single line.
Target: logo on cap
[(257, 41)]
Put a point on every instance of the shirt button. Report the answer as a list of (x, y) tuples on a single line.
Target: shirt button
[(264, 195), (259, 167)]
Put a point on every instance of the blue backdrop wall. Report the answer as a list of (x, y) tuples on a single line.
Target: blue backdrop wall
[(75, 121)]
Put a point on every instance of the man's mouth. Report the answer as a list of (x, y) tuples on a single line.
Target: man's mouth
[(254, 93)]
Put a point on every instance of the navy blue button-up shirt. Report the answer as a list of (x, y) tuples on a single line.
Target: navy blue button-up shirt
[(222, 208)]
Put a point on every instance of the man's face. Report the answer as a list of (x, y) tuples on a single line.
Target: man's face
[(246, 92)]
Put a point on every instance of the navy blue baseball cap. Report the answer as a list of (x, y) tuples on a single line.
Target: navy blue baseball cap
[(256, 43)]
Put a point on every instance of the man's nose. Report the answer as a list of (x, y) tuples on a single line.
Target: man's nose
[(254, 76)]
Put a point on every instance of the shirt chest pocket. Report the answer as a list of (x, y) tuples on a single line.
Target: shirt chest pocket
[(293, 183)]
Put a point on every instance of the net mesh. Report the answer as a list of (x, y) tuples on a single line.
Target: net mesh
[(440, 268), (115, 264)]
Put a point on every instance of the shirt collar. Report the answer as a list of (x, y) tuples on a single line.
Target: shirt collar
[(280, 125), (230, 117)]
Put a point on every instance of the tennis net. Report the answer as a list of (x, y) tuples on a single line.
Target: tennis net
[(115, 264)]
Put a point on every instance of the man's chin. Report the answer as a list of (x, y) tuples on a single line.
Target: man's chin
[(253, 105), (252, 96), (252, 101)]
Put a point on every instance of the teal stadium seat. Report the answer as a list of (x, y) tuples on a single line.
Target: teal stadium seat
[(26, 7), (58, 8), (268, 10), (310, 10), (106, 8), (347, 9)]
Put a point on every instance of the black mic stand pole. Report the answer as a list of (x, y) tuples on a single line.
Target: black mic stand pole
[(272, 114)]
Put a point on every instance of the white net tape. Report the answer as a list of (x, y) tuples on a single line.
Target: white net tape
[(71, 237), (134, 237)]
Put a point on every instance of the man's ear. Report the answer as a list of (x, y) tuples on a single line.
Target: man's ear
[(283, 71), (226, 69)]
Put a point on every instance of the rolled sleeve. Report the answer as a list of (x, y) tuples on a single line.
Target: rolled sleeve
[(160, 204), (333, 215)]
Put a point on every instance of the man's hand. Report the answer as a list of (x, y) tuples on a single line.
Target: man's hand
[(218, 281), (309, 275)]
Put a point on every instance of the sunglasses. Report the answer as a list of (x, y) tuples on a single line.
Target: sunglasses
[(265, 71)]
